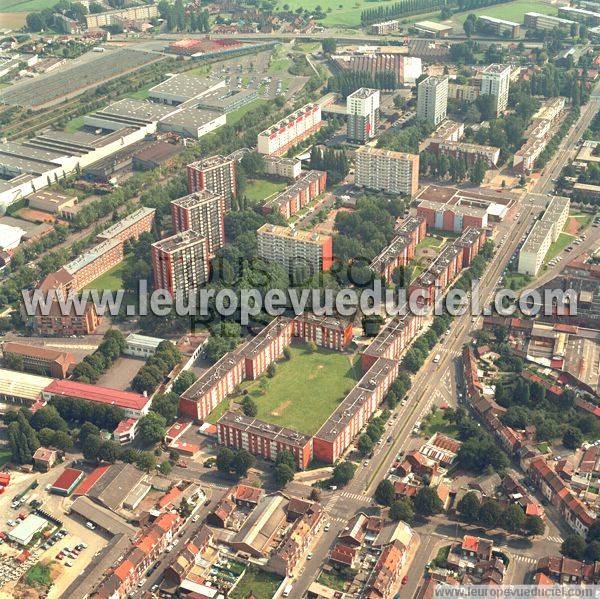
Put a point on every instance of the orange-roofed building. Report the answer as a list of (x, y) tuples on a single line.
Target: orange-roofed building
[(169, 498), (123, 569), (90, 480)]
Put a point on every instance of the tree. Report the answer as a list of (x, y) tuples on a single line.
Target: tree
[(365, 445), (343, 473), (574, 547), (384, 493), (286, 457), (271, 368), (490, 513), (468, 507), (329, 46), (477, 172), (249, 407), (152, 428), (534, 525), (165, 467), (224, 459), (513, 518), (90, 447), (427, 502), (185, 380), (402, 510), (572, 438), (283, 474), (35, 21), (62, 440), (167, 405), (242, 462), (146, 460)]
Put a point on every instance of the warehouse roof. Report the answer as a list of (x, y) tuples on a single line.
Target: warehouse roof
[(67, 479), (22, 385), (103, 517), (121, 399)]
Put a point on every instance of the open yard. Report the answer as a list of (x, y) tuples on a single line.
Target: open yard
[(431, 242), (564, 239), (235, 115), (258, 190), (74, 124), (257, 582), (24, 6), (305, 389), (435, 423), (110, 280), (511, 11)]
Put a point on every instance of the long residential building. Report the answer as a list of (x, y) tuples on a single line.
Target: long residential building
[(130, 226), (310, 185), (180, 263), (499, 26), (290, 131), (586, 17), (406, 69), (41, 360), (204, 212), (385, 170), (295, 249), (401, 249), (471, 153), (385, 27), (535, 20), (542, 235), (216, 174)]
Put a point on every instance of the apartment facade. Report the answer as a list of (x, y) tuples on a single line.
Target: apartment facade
[(495, 81), (309, 186), (216, 174), (432, 99), (145, 12), (295, 249), (362, 110), (325, 331), (41, 360), (204, 212), (471, 153), (290, 131), (581, 15), (385, 27), (500, 27), (535, 20), (130, 226), (181, 262), (287, 168), (385, 170)]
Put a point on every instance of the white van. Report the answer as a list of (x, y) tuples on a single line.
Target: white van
[(287, 590)]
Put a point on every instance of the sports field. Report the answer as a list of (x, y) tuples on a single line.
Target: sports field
[(511, 11), (305, 389)]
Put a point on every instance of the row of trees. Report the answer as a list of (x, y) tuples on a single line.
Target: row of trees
[(92, 366), (335, 162), (152, 374), (425, 503), (373, 433), (42, 20), (238, 461), (399, 9), (176, 17), (491, 514), (457, 169)]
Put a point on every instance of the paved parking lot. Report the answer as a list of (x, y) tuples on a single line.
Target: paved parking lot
[(121, 373)]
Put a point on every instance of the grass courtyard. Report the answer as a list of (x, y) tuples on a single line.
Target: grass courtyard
[(305, 389), (258, 190), (111, 280), (257, 582), (564, 239)]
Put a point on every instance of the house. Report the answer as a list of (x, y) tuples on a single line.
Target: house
[(246, 496), (44, 458), (344, 555), (222, 513), (564, 570)]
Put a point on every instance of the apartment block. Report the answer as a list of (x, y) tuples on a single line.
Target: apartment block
[(463, 92), (265, 440), (489, 155), (401, 249), (216, 174), (180, 263), (145, 12), (295, 249), (535, 20), (385, 170), (586, 17), (290, 131), (56, 324), (362, 110), (495, 81), (499, 27), (130, 226), (286, 168), (432, 99), (325, 331), (542, 235), (202, 211), (385, 27), (309, 186)]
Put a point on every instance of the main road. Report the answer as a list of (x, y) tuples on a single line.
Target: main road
[(358, 495)]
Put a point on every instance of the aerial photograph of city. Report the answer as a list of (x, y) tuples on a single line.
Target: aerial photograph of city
[(299, 299)]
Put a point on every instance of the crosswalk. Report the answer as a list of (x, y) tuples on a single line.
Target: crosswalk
[(356, 497), (525, 559), (555, 539)]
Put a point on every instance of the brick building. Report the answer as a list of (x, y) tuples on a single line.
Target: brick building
[(292, 199), (41, 360), (325, 331), (130, 226), (216, 174)]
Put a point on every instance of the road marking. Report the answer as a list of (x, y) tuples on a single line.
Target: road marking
[(555, 539), (526, 559), (356, 496)]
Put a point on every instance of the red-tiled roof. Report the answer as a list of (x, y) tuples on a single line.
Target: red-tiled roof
[(122, 399), (247, 493), (169, 497), (90, 480), (470, 543), (67, 478)]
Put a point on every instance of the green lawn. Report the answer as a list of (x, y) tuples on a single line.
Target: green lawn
[(511, 11), (5, 456), (201, 71), (305, 389), (332, 580), (430, 242), (584, 218), (39, 575), (111, 280), (516, 281), (259, 190), (140, 94), (343, 12), (214, 416), (25, 5), (564, 239), (435, 423), (234, 116), (74, 124), (258, 582)]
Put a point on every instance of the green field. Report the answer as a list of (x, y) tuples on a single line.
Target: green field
[(430, 242), (234, 116), (74, 124), (25, 5), (305, 389), (257, 582), (110, 280), (259, 190), (343, 12), (564, 239), (435, 423), (511, 11), (140, 94)]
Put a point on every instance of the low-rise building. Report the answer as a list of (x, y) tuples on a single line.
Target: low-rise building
[(279, 166), (385, 27), (67, 481), (40, 360), (535, 20), (54, 202), (433, 28), (44, 458), (24, 532), (141, 346), (21, 388), (309, 186)]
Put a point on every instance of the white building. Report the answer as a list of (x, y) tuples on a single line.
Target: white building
[(432, 99), (24, 532), (362, 109), (393, 172), (495, 81), (141, 346), (178, 89), (287, 168), (10, 237)]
